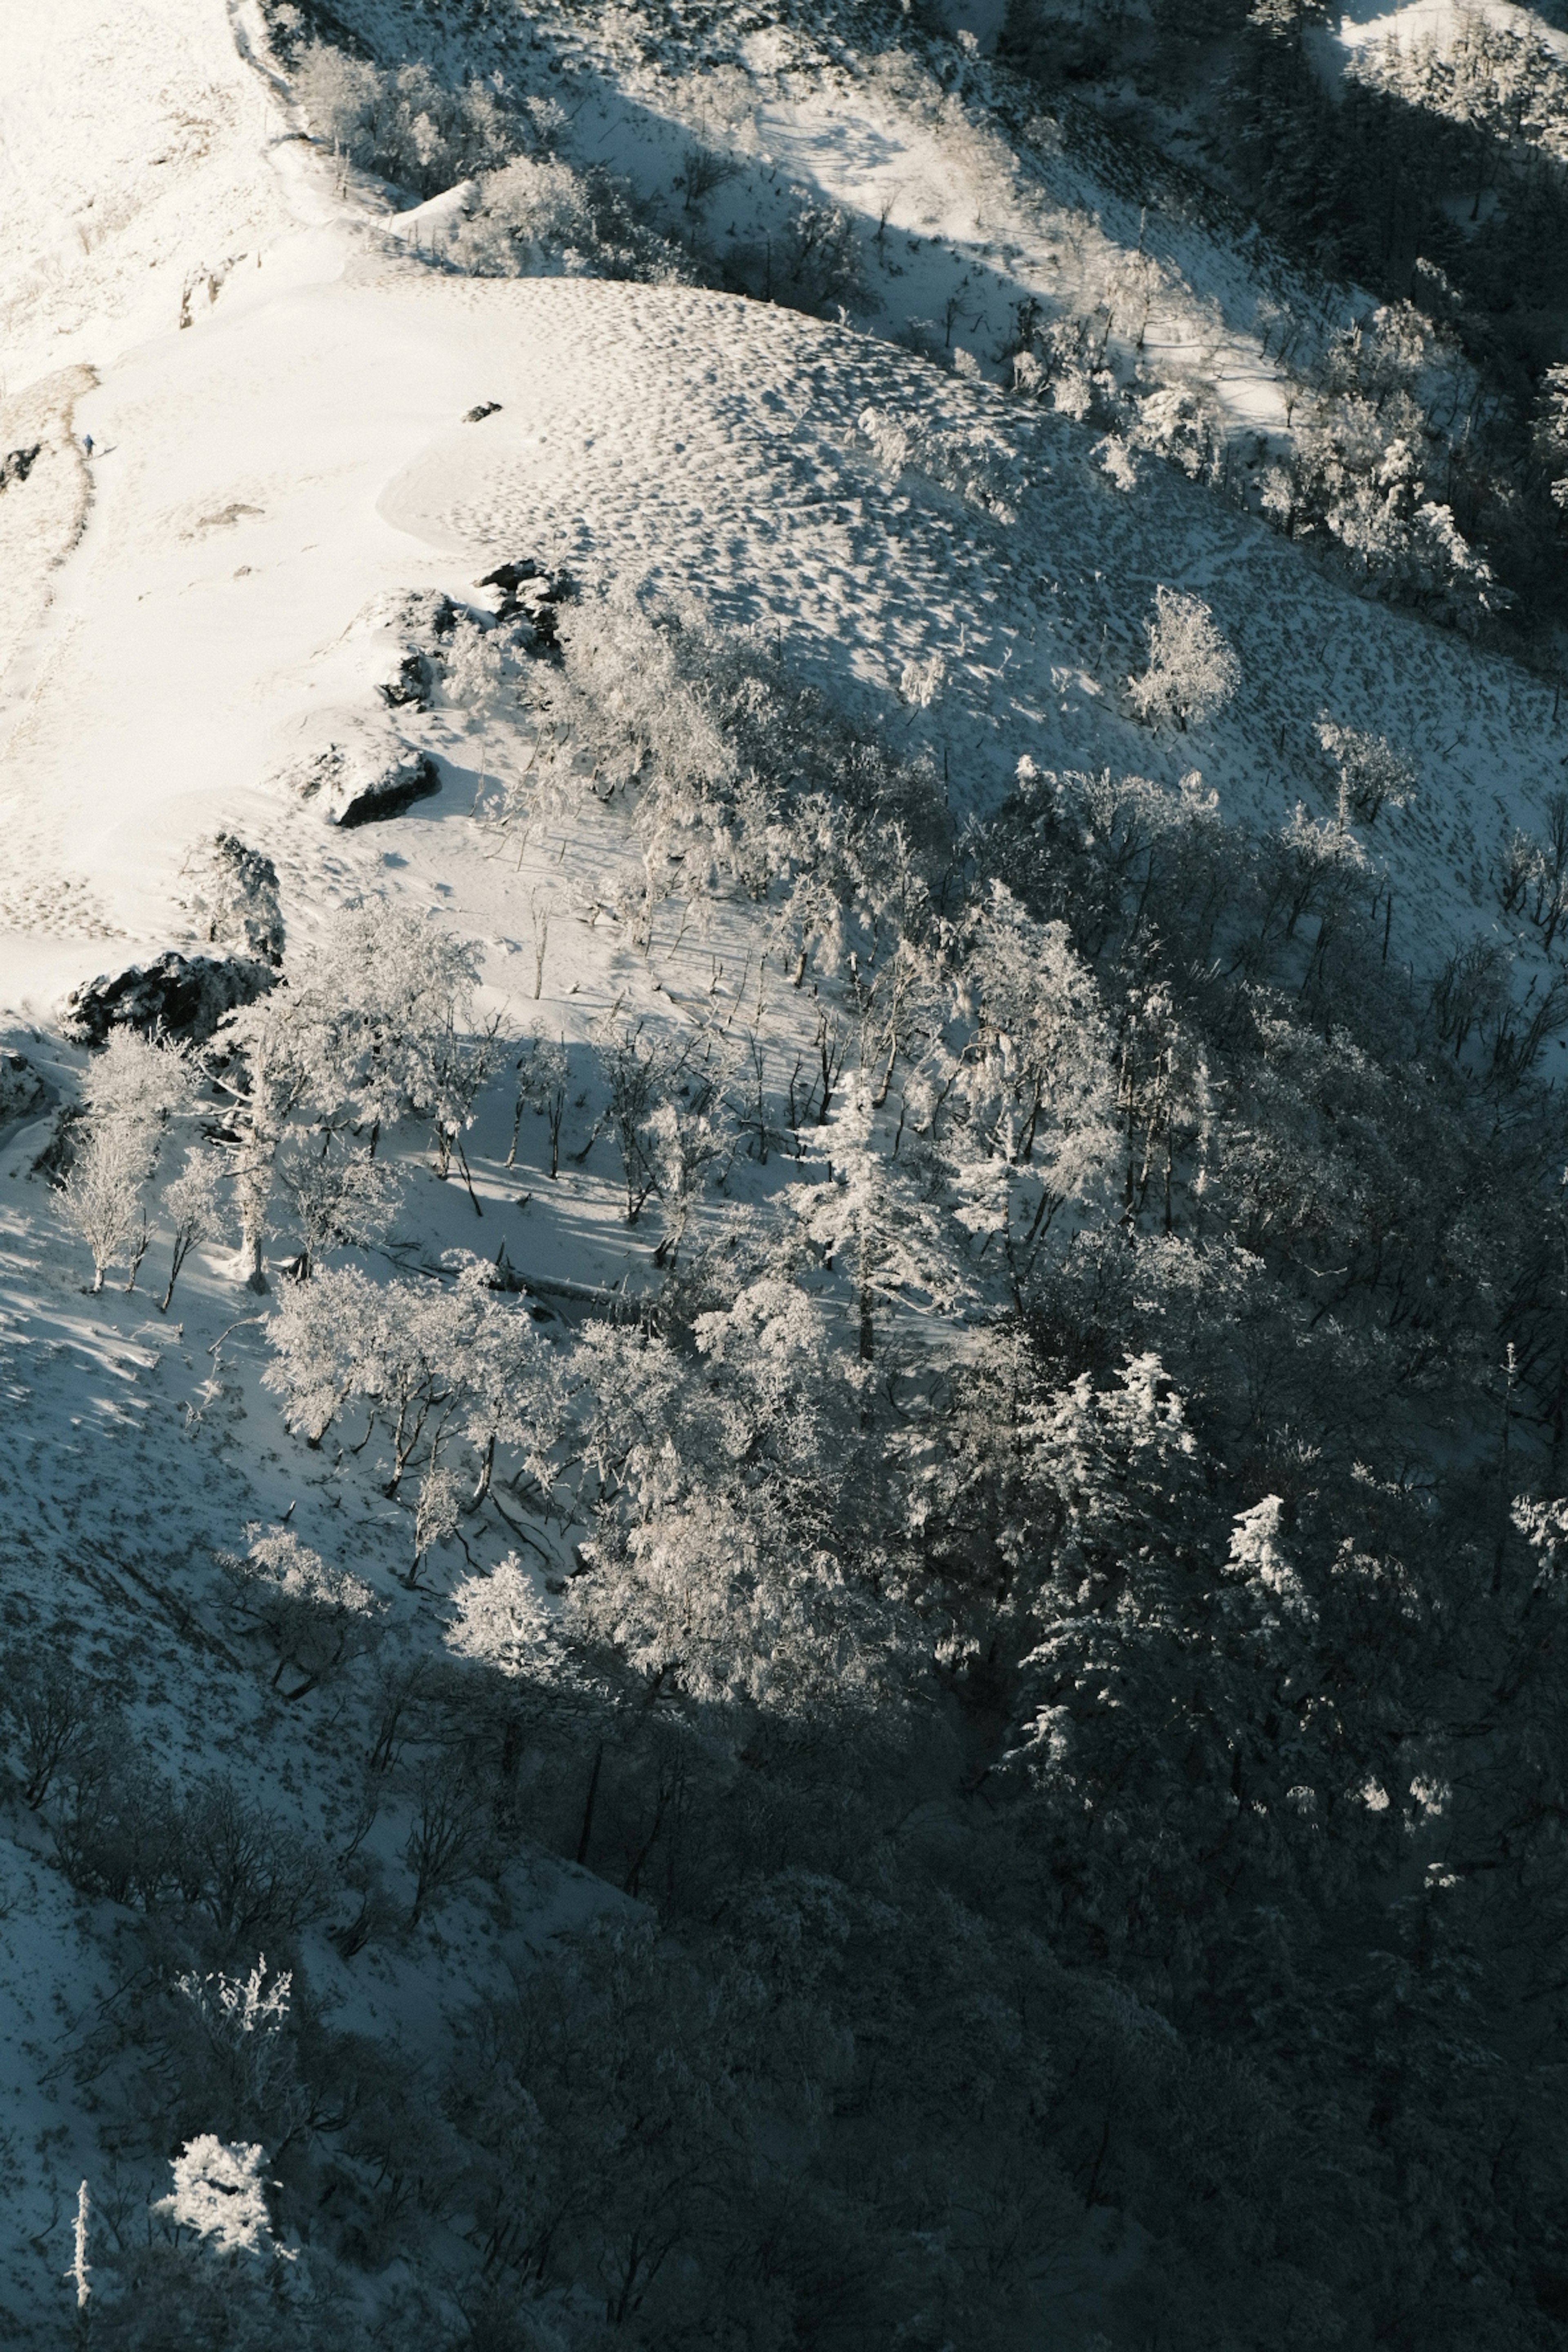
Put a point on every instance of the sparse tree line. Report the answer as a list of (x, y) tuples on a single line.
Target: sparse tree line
[(1046, 1614), (1432, 174), (1362, 476), (534, 210)]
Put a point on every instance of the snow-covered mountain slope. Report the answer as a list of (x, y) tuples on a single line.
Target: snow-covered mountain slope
[(279, 395), (261, 474)]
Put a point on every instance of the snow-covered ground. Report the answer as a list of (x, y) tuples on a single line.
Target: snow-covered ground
[(178, 615), (259, 477)]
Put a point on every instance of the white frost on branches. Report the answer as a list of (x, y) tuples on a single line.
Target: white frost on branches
[(1192, 672), (219, 2194), (501, 1620)]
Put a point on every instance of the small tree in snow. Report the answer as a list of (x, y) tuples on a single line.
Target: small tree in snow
[(502, 1621), (312, 1613), (1192, 670), (437, 1512), (543, 1077), (219, 2196), (193, 1208), (102, 1197), (1371, 771), (340, 1198), (140, 1081), (246, 2062), (130, 1088)]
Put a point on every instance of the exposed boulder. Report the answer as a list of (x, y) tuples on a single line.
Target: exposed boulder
[(530, 595), (22, 1089), (413, 629), (478, 416), (182, 997), (366, 773), (17, 464)]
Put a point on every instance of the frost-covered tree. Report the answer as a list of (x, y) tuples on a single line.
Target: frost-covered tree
[(194, 1205), (544, 1080), (140, 1081), (1551, 434), (1371, 772), (370, 1026), (234, 897), (311, 1613), (220, 2196), (1192, 673), (103, 1196), (501, 1619), (1028, 1104), (338, 1198), (240, 2061)]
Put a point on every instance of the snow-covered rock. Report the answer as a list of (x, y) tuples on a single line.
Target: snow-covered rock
[(366, 771), (184, 997)]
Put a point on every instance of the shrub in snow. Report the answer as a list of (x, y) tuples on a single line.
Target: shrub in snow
[(233, 898), (220, 2197), (311, 1613), (1116, 462), (236, 2061), (975, 466), (811, 260), (447, 1837), (48, 1710), (1177, 422), (539, 217), (1192, 672)]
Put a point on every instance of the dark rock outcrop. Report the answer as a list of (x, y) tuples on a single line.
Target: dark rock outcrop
[(182, 997), (530, 596), (17, 464), (22, 1089)]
